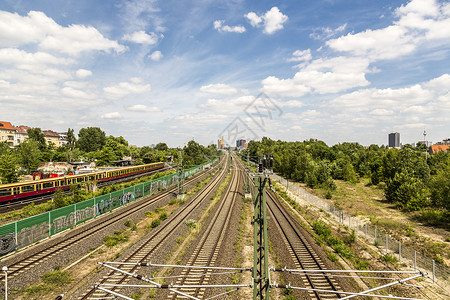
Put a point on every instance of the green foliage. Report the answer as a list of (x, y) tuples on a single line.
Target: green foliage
[(155, 223), (128, 223), (38, 136), (59, 200), (91, 139), (407, 191), (191, 223), (57, 277), (161, 147), (440, 187), (29, 155), (71, 139), (8, 173), (116, 238), (163, 216)]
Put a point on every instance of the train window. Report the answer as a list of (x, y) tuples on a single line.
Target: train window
[(16, 190), (38, 187), (27, 188), (47, 185), (5, 192), (91, 177), (80, 179)]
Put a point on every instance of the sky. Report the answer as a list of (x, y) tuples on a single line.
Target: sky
[(172, 71)]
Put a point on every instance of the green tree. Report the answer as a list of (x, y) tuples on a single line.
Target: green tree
[(71, 139), (440, 188), (118, 145), (91, 139), (8, 173), (29, 155), (4, 147), (407, 191), (37, 135), (105, 156), (161, 147)]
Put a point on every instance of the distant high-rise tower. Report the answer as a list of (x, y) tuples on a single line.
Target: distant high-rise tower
[(394, 140)]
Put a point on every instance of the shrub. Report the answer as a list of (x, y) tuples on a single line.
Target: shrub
[(191, 223), (163, 216), (116, 238), (128, 223), (57, 277), (155, 223)]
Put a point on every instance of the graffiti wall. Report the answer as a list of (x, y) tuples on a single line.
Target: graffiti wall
[(20, 234)]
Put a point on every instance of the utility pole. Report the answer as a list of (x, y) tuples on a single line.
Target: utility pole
[(180, 175), (260, 274), (5, 269), (247, 176)]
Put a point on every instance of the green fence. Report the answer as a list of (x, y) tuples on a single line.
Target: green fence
[(17, 235)]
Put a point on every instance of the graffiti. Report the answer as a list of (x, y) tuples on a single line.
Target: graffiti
[(7, 243), (72, 219), (30, 235)]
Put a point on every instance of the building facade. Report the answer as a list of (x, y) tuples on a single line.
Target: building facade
[(7, 133), (394, 140)]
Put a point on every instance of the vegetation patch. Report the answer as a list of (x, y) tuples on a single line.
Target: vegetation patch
[(116, 238)]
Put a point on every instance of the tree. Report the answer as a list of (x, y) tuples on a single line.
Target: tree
[(71, 139), (8, 173), (4, 147), (91, 139), (29, 155), (407, 191), (37, 135), (440, 188), (161, 147)]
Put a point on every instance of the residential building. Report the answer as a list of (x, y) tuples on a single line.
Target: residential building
[(394, 140), (52, 137), (437, 148), (7, 133), (21, 134)]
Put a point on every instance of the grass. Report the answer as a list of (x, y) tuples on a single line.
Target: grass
[(50, 281), (116, 238)]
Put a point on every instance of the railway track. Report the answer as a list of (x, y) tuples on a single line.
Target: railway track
[(301, 251), (152, 243), (207, 249), (28, 261), (9, 207)]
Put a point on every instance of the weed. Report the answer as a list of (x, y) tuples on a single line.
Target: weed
[(134, 227), (155, 223), (191, 223), (179, 240), (116, 238), (361, 264), (387, 258), (57, 277), (333, 257), (149, 214), (128, 223), (163, 216)]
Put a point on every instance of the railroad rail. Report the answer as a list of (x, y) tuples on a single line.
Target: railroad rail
[(207, 249), (153, 242), (29, 261), (301, 252)]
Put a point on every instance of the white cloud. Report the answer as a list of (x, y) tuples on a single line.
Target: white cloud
[(75, 93), (419, 22), (441, 84), (83, 73), (368, 99), (143, 108), (141, 37), (321, 76), (228, 106), (327, 32), (219, 88), (381, 112), (272, 20), (30, 61), (218, 25), (156, 56), (111, 115), (301, 55), (123, 89), (37, 28)]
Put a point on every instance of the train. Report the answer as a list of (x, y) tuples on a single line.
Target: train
[(21, 190)]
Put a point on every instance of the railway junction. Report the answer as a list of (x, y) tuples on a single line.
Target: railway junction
[(213, 243)]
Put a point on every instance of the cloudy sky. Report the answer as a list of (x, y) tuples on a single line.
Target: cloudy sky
[(169, 71)]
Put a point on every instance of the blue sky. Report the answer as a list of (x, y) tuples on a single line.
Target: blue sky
[(170, 71)]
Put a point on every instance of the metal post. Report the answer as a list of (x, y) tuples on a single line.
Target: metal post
[(261, 276), (5, 269)]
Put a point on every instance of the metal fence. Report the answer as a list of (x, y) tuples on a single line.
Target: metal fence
[(374, 235), (17, 235)]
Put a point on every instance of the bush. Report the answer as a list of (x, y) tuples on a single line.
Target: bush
[(191, 223), (321, 228), (57, 277), (128, 223), (116, 238), (155, 223), (163, 216)]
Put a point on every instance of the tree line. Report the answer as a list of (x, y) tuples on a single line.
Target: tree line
[(410, 178), (92, 144)]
